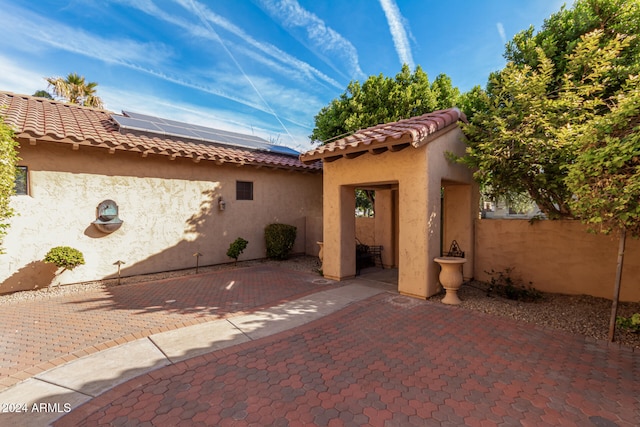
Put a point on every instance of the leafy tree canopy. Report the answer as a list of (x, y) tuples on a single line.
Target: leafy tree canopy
[(565, 82), (75, 90), (562, 31), (383, 99), (605, 177), (43, 94)]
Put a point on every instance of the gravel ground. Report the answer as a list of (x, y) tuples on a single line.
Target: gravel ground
[(577, 314)]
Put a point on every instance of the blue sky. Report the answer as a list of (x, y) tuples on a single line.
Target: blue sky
[(262, 67)]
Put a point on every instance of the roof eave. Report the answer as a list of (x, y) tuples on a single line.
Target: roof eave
[(390, 144)]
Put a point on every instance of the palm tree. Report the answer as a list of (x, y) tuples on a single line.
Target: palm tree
[(75, 90)]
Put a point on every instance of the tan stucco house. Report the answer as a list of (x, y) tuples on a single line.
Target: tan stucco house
[(179, 190), (423, 201)]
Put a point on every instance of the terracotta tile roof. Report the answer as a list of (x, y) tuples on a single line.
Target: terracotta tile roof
[(415, 131), (41, 120)]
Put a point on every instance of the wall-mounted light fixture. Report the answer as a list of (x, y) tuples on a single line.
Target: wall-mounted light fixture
[(221, 204), (107, 213)]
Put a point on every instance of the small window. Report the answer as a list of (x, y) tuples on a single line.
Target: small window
[(244, 190), (21, 183)]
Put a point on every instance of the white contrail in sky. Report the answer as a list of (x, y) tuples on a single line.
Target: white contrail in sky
[(301, 69), (206, 23), (398, 31), (315, 34), (503, 36)]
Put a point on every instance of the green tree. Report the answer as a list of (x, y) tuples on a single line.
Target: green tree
[(365, 200), (43, 94), (383, 99), (555, 83), (445, 94), (75, 90), (605, 177), (562, 120), (9, 160), (474, 101), (562, 31)]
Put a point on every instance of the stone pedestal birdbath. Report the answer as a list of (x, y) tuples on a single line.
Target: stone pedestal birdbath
[(451, 277)]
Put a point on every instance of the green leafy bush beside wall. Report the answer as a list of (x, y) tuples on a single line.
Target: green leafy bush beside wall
[(503, 284), (65, 257), (236, 248), (279, 239), (631, 323)]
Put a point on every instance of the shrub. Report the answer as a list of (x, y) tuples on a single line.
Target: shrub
[(505, 286), (279, 239), (65, 257), (7, 174), (236, 248), (630, 323)]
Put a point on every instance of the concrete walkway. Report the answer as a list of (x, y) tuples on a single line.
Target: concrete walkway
[(347, 354)]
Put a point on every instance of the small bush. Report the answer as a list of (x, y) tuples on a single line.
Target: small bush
[(630, 323), (65, 257), (505, 286), (279, 239), (236, 248)]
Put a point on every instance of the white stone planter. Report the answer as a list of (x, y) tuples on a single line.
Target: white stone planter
[(451, 277)]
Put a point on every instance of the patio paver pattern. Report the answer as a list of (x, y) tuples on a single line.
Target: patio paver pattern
[(39, 335), (386, 360)]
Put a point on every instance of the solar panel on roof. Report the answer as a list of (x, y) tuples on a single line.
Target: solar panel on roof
[(136, 124), (146, 123), (169, 129), (281, 149)]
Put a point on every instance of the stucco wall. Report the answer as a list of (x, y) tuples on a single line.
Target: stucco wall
[(557, 256), (169, 209), (418, 174), (405, 169), (366, 230)]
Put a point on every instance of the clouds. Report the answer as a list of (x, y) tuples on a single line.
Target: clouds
[(34, 33), (203, 22), (398, 28), (312, 32), (14, 77), (252, 89)]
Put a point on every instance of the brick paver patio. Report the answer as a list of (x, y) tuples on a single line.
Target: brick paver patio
[(39, 335), (388, 361)]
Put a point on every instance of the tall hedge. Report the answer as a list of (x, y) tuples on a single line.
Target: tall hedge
[(279, 239)]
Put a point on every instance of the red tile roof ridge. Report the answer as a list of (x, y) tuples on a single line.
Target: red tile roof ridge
[(416, 128)]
